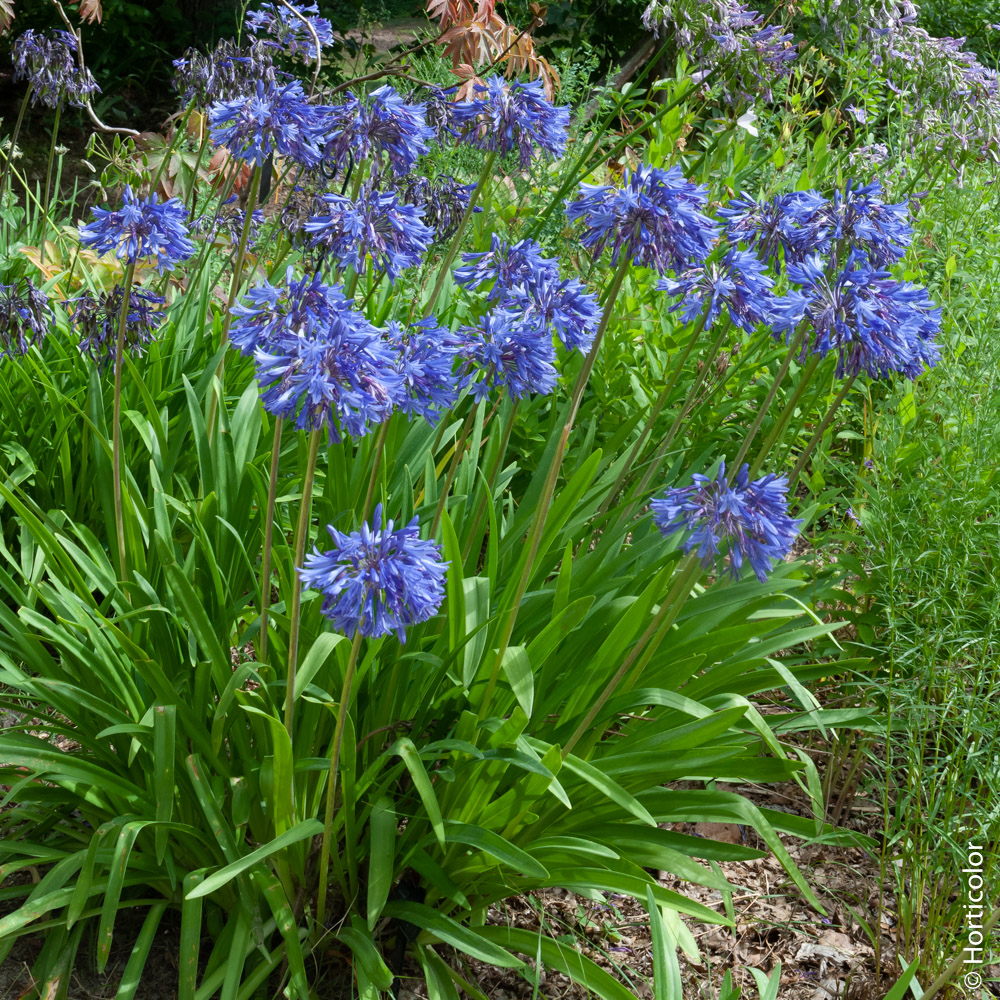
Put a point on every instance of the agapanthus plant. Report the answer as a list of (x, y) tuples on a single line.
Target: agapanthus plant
[(274, 118), (343, 377), (377, 226), (25, 317), (383, 128), (49, 64), (513, 351), (442, 202), (563, 306), (510, 116), (96, 315), (751, 517), (777, 229), (379, 580), (737, 284), (426, 356), (225, 73), (874, 323), (655, 218), (141, 229), (505, 265), (289, 30)]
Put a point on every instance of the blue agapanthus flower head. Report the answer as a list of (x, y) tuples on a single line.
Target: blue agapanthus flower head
[(777, 229), (737, 283), (378, 580), (384, 127), (343, 376), (274, 118), (141, 229), (276, 311), (376, 226), (96, 316), (874, 323), (563, 306), (506, 265), (50, 66), (442, 202), (226, 73), (426, 356), (289, 30), (655, 218), (512, 351), (752, 517), (25, 317), (510, 116), (860, 218)]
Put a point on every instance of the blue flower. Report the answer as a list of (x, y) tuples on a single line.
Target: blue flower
[(225, 73), (49, 64), (442, 202), (777, 229), (858, 217), (387, 126), (506, 265), (141, 229), (737, 282), (275, 118), (655, 218), (513, 351), (751, 517), (96, 320), (426, 354), (304, 305), (25, 317), (513, 116), (343, 376), (377, 580), (875, 324), (565, 306), (377, 226), (288, 27)]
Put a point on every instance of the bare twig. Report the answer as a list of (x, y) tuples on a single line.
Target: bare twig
[(312, 31)]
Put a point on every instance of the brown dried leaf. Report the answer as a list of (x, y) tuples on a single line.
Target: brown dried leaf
[(90, 11), (6, 14)]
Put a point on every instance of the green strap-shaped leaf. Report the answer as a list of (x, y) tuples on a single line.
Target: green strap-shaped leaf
[(411, 758), (381, 857), (360, 942), (496, 846)]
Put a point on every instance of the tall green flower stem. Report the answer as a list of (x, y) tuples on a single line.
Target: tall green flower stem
[(234, 287), (48, 182), (793, 348), (549, 487), (331, 785), (777, 431), (648, 643), (661, 401), (456, 240), (301, 533), (9, 158), (265, 559), (116, 422), (453, 467), (804, 457), (383, 430), (683, 413)]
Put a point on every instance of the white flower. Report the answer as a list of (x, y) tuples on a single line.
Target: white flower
[(746, 121)]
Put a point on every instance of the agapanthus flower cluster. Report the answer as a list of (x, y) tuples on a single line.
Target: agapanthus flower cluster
[(274, 118), (505, 265), (874, 323), (383, 127), (378, 580), (227, 224), (738, 283), (25, 317), (655, 218), (341, 377), (750, 517), (426, 356), (857, 218), (442, 202), (289, 30), (96, 316), (510, 116), (778, 229), (49, 64), (377, 226), (273, 312), (141, 229), (513, 351), (225, 73), (561, 305), (726, 35)]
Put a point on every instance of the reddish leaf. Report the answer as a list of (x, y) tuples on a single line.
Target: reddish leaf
[(6, 14), (90, 11)]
